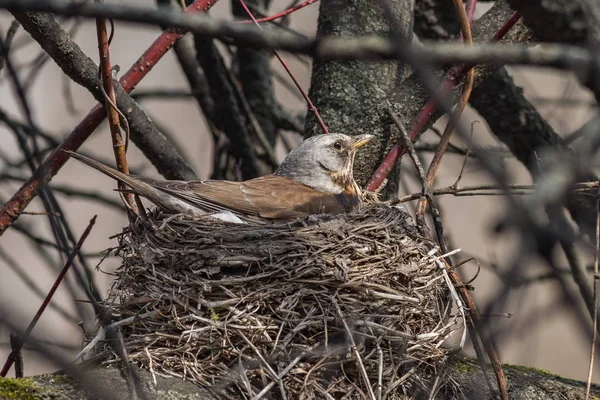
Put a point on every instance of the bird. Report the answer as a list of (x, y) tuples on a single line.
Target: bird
[(314, 178)]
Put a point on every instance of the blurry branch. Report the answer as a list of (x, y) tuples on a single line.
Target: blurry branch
[(510, 116), (72, 192), (311, 107), (496, 151), (517, 123), (28, 143), (27, 231), (228, 115), (496, 190), (573, 58), (577, 22), (454, 117), (574, 21), (10, 34), (48, 138), (419, 107), (36, 66), (287, 121), (186, 56), (14, 346), (282, 14), (255, 76), (558, 172), (73, 61), (160, 94), (54, 344), (570, 21), (562, 169)]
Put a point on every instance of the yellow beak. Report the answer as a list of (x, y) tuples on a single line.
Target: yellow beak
[(361, 140)]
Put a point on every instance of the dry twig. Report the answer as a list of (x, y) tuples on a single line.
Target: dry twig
[(112, 111)]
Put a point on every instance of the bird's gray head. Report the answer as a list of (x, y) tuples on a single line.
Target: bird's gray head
[(324, 162)]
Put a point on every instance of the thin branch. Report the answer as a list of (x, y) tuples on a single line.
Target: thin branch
[(25, 336), (418, 122), (52, 164), (227, 112), (32, 285), (462, 102), (309, 103), (280, 14), (119, 146), (360, 48), (493, 190), (16, 347)]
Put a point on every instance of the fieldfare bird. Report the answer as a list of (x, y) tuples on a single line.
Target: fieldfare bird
[(314, 178)]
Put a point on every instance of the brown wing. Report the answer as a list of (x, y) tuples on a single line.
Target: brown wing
[(277, 197), (210, 196), (269, 196)]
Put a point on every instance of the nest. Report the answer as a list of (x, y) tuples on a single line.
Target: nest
[(322, 307)]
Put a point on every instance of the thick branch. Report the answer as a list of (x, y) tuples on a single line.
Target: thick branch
[(346, 93), (362, 48), (228, 116), (571, 21), (255, 76), (73, 61)]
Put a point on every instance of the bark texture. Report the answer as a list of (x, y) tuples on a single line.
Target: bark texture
[(351, 96)]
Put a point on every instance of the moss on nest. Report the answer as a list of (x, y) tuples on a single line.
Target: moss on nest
[(352, 303)]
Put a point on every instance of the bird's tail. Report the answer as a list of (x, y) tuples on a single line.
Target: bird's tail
[(136, 185)]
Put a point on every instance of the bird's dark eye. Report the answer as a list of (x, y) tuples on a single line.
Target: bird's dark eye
[(337, 145)]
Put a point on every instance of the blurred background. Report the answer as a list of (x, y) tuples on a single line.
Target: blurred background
[(541, 333)]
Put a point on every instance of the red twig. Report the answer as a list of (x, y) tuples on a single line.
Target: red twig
[(11, 210), (110, 105), (506, 27), (470, 9), (462, 102), (309, 103), (13, 354), (281, 14), (428, 109)]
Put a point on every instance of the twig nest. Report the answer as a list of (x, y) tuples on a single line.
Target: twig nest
[(317, 308)]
